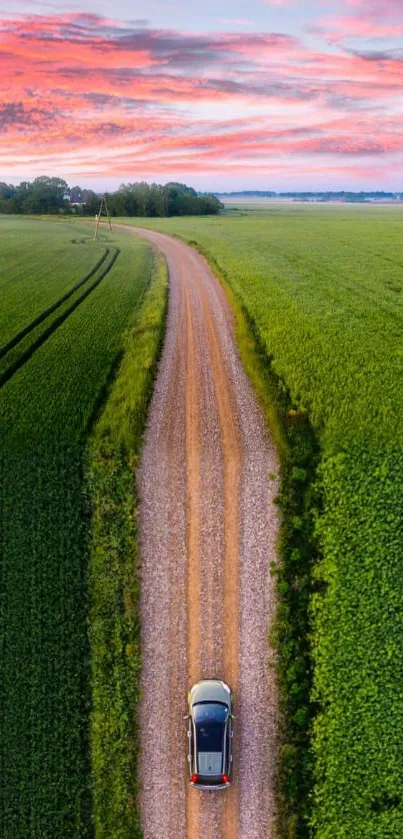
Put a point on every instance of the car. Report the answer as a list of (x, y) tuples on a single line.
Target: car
[(210, 735)]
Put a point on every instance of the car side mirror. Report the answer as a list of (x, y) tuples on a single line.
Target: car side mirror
[(232, 717)]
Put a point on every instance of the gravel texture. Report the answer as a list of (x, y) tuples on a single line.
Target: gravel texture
[(208, 532)]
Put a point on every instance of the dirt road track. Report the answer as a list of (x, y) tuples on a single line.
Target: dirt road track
[(207, 534)]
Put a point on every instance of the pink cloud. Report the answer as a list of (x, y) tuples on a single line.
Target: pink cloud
[(364, 18), (377, 8), (361, 26), (340, 30), (90, 94)]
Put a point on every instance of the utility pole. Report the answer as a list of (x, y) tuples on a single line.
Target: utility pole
[(98, 217)]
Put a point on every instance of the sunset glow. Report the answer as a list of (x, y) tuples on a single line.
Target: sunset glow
[(313, 102)]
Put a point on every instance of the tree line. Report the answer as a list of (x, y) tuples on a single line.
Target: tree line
[(47, 195)]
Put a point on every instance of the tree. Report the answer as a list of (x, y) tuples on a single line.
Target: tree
[(46, 195), (7, 198), (76, 195), (91, 199), (52, 195)]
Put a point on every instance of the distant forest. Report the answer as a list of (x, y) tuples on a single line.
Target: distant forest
[(342, 195), (47, 195)]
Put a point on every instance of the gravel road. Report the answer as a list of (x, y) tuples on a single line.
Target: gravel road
[(208, 532)]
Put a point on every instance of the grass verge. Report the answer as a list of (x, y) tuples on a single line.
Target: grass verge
[(114, 571)]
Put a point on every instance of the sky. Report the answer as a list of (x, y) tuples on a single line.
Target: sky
[(240, 94)]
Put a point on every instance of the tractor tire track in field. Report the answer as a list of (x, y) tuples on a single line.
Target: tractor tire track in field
[(26, 354), (208, 530), (46, 312)]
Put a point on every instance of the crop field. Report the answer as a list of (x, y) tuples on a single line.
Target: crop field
[(70, 304), (31, 284), (323, 291)]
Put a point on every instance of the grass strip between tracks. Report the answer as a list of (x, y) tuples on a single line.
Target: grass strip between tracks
[(19, 336), (114, 571), (299, 500), (22, 349)]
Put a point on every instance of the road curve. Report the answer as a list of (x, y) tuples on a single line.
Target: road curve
[(208, 532)]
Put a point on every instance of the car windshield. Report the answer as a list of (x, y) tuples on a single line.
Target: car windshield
[(210, 718)]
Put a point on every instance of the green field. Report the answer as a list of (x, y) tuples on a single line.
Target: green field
[(59, 371), (32, 276), (323, 290)]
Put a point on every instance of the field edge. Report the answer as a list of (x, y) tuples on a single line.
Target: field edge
[(114, 569)]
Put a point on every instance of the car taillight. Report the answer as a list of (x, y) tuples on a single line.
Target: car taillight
[(225, 779), (194, 778)]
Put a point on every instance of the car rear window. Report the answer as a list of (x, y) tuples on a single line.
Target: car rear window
[(210, 718)]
